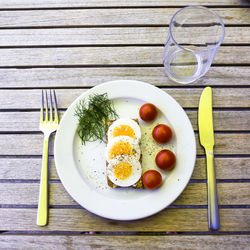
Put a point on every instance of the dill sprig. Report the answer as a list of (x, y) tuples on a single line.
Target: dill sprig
[(93, 116)]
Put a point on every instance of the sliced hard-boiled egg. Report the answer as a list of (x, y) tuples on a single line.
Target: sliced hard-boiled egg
[(124, 171), (122, 146), (124, 127)]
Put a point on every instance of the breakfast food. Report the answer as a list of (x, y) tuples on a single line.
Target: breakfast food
[(162, 133), (165, 159), (124, 127), (98, 120), (123, 153), (148, 112), (124, 171), (123, 145), (152, 179), (93, 113)]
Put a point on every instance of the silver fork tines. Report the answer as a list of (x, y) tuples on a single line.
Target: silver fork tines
[(50, 106), (46, 106), (55, 105), (51, 116), (48, 124)]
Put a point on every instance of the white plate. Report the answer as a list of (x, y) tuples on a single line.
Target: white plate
[(81, 168)]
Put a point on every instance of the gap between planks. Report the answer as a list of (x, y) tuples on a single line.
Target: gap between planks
[(167, 6)]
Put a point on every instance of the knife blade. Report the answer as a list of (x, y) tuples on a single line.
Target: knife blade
[(206, 133)]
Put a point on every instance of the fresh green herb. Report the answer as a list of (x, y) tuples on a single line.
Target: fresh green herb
[(93, 116)]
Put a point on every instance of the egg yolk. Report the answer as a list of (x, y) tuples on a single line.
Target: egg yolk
[(123, 170), (124, 130), (120, 148)]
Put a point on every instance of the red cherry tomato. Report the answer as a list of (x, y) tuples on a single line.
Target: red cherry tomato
[(162, 133), (148, 112), (165, 159), (151, 179)]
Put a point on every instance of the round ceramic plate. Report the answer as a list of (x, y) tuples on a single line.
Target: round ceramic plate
[(82, 168)]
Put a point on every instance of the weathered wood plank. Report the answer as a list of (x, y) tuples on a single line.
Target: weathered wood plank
[(226, 168), (100, 36), (30, 168), (223, 121), (125, 55), (88, 77), (82, 220), (194, 194), (119, 16), (24, 168), (112, 3), (31, 144), (187, 98), (133, 242)]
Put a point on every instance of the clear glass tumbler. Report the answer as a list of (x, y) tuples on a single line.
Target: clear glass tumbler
[(195, 34)]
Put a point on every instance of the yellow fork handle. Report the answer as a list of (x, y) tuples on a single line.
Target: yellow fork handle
[(213, 210), (42, 213)]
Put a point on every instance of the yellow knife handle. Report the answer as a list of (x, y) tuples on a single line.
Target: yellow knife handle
[(213, 210), (42, 213)]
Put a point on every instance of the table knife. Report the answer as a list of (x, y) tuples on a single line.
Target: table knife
[(206, 133)]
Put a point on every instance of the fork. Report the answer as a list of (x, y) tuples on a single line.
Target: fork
[(48, 124)]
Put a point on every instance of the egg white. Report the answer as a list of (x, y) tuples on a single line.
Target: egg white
[(132, 179), (125, 121), (133, 143)]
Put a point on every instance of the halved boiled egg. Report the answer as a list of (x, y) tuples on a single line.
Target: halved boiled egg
[(124, 127), (122, 146), (124, 171)]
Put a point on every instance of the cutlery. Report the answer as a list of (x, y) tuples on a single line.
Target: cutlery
[(206, 133), (48, 124)]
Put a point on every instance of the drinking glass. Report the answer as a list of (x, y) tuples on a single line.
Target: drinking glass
[(195, 34)]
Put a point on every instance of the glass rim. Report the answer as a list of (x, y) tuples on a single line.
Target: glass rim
[(197, 7)]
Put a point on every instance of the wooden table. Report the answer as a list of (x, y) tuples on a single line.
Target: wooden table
[(73, 45)]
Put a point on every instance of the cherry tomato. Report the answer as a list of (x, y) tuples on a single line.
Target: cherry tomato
[(151, 179), (165, 159), (162, 133), (148, 112)]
